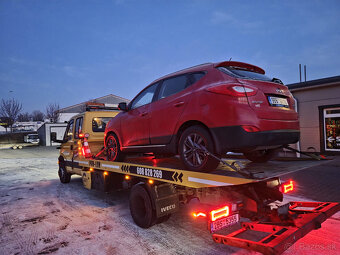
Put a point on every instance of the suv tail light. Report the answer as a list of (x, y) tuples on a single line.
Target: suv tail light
[(233, 90)]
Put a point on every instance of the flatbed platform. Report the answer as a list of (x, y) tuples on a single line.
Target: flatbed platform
[(170, 170)]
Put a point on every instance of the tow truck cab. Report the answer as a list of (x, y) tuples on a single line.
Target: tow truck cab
[(91, 124)]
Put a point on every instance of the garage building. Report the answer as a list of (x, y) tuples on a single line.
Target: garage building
[(318, 103)]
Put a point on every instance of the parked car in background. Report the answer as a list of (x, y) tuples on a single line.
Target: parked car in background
[(31, 138), (215, 107)]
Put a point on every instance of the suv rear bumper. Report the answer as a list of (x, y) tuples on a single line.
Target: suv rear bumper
[(236, 138)]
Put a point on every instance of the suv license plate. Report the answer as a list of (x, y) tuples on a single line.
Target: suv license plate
[(278, 101), (224, 222)]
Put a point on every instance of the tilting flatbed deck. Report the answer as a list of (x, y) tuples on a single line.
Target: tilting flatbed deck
[(160, 185)]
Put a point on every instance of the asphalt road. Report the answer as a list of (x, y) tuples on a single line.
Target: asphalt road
[(319, 183)]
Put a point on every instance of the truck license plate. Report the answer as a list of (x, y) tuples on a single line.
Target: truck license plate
[(278, 101), (224, 222)]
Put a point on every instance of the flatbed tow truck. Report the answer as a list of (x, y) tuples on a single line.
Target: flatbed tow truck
[(233, 195)]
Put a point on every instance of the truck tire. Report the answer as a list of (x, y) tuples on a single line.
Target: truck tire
[(260, 156), (141, 207), (113, 149), (64, 176), (191, 156)]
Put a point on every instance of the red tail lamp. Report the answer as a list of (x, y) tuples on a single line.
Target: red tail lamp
[(235, 90), (219, 213), (288, 187)]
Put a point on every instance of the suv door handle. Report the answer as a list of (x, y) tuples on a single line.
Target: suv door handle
[(143, 114), (178, 104)]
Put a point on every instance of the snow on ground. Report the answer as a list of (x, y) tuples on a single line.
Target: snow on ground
[(39, 215)]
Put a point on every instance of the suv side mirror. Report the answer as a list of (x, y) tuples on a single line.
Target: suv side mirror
[(123, 107)]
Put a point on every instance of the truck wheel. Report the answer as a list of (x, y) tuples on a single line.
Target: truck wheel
[(141, 207), (64, 176), (260, 156), (113, 148), (163, 219), (191, 155)]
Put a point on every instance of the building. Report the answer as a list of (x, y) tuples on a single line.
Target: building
[(26, 126), (47, 129), (318, 104), (68, 112)]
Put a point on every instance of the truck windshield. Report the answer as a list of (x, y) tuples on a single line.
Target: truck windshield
[(33, 136), (244, 74)]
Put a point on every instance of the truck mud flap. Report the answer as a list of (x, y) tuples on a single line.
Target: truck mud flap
[(306, 216)]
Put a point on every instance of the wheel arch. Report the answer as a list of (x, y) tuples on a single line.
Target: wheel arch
[(112, 132), (191, 123)]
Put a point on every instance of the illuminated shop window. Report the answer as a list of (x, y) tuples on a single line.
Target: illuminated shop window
[(332, 129)]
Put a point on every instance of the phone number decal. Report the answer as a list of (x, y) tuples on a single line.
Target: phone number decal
[(150, 172)]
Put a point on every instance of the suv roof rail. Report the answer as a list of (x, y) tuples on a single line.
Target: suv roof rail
[(100, 106)]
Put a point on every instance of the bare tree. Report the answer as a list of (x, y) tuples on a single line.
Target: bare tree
[(10, 108), (37, 115), (52, 112), (22, 117)]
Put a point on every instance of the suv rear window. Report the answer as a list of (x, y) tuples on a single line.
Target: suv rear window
[(244, 74), (99, 123)]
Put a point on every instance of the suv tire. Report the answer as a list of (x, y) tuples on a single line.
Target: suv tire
[(193, 157), (113, 149)]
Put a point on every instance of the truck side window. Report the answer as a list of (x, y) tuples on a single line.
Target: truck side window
[(69, 131), (78, 127)]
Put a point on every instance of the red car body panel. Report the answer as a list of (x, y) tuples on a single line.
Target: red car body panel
[(159, 122)]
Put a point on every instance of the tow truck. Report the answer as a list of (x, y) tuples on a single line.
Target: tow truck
[(233, 195)]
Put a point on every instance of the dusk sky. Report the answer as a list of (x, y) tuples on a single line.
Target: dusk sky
[(68, 51)]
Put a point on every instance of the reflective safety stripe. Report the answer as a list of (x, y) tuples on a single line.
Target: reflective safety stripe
[(209, 182), (111, 166), (81, 162)]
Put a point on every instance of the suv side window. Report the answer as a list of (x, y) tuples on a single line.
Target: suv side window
[(145, 97), (78, 127), (197, 76), (69, 131), (173, 85)]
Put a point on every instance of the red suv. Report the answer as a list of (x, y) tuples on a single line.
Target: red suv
[(215, 107)]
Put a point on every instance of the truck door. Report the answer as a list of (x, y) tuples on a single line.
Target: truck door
[(67, 147)]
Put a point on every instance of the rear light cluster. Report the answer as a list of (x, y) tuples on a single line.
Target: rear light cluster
[(233, 90), (287, 187), (219, 213), (215, 214)]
